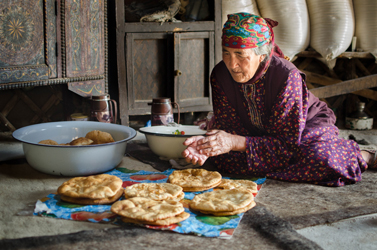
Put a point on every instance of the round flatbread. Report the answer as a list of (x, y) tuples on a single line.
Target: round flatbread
[(81, 141), (238, 211), (226, 200), (165, 222), (155, 191), (99, 137), (146, 209), (48, 142), (230, 184), (198, 189), (195, 178), (86, 201), (92, 187)]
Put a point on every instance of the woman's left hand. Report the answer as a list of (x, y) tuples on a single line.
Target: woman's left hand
[(219, 142)]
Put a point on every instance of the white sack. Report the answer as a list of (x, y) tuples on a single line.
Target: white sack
[(366, 25), (332, 25), (236, 6), (292, 34)]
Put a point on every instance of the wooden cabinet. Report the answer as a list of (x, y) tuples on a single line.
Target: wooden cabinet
[(172, 59), (47, 42)]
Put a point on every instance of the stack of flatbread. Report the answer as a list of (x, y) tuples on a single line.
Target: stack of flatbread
[(155, 191), (142, 210), (195, 180), (247, 184), (223, 202), (92, 190), (152, 204)]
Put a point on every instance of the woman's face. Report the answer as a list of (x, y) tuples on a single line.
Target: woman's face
[(241, 63)]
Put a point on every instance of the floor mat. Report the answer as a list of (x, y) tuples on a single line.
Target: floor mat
[(305, 205)]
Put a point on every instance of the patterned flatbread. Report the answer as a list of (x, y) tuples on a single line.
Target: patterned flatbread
[(230, 184), (226, 200), (99, 137), (86, 201), (164, 222), (81, 141), (155, 191), (198, 189), (237, 211), (48, 142), (146, 209), (91, 187), (195, 179)]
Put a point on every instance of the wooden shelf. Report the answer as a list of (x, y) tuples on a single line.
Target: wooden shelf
[(348, 55), (169, 27)]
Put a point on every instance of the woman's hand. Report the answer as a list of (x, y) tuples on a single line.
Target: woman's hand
[(191, 154), (220, 142), (216, 142)]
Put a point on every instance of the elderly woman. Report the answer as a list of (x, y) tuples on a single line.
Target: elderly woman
[(266, 121)]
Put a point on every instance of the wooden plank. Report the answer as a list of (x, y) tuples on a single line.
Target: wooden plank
[(29, 102), (7, 123), (348, 55), (326, 81), (218, 30), (10, 105), (121, 62), (50, 102), (320, 79), (362, 67), (169, 27), (339, 101), (305, 63), (371, 67), (346, 87), (367, 93)]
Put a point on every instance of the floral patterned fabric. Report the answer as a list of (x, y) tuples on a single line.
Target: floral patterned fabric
[(198, 224), (281, 142)]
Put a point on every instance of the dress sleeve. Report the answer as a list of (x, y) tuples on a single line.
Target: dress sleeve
[(283, 128)]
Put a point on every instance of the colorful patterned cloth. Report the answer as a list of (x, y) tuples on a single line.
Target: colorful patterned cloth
[(198, 224), (244, 31), (290, 134)]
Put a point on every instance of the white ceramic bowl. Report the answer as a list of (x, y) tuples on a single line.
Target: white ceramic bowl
[(163, 142), (73, 160)]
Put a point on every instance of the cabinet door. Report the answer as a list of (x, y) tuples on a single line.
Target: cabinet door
[(149, 70), (193, 62), (84, 46), (84, 37), (27, 40)]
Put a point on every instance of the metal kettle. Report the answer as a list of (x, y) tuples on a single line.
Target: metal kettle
[(162, 111)]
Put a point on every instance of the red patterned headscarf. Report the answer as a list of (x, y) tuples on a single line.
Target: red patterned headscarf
[(245, 31)]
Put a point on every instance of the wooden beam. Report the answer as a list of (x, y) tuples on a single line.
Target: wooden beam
[(320, 79), (348, 55), (7, 123), (346, 87), (305, 63), (10, 105), (367, 93), (362, 67)]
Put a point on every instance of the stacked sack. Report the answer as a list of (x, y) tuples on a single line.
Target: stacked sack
[(327, 26), (366, 25), (236, 6), (292, 34), (332, 26)]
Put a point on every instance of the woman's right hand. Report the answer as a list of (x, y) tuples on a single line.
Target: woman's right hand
[(191, 154)]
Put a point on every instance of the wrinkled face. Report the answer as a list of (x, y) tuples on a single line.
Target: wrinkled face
[(241, 63)]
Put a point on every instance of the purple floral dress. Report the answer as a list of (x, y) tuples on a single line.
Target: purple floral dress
[(290, 134)]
